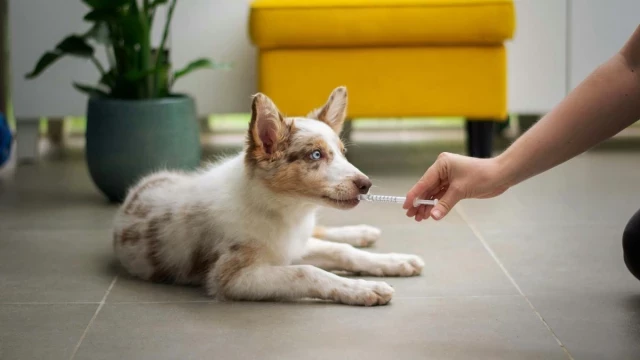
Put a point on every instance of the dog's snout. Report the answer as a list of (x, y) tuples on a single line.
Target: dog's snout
[(363, 184)]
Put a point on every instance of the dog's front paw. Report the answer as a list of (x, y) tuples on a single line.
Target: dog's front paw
[(397, 265), (363, 293), (356, 235)]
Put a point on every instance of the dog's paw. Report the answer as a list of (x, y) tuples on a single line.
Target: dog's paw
[(364, 293), (356, 235), (401, 265)]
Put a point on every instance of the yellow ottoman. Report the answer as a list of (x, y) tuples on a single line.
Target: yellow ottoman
[(397, 58)]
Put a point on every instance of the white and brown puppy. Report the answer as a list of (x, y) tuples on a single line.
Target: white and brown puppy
[(245, 228)]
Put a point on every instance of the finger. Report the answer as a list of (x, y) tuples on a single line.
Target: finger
[(445, 204), (424, 211), (428, 182), (413, 210)]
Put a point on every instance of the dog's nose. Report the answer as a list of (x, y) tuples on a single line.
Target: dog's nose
[(363, 184)]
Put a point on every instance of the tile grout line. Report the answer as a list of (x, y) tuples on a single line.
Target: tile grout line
[(95, 315), (493, 255)]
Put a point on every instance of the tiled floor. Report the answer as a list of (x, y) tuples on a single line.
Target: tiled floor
[(534, 274)]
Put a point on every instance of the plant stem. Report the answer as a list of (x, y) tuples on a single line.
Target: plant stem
[(165, 35), (145, 48), (98, 65)]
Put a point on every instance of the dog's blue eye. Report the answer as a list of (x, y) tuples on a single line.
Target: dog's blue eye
[(316, 155)]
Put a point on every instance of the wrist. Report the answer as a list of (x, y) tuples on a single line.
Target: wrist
[(504, 170)]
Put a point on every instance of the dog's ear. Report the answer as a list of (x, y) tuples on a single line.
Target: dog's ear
[(267, 128), (334, 112)]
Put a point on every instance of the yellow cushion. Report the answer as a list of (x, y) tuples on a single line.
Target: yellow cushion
[(390, 82), (349, 23)]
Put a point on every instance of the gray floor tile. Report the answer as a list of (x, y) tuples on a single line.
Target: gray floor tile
[(462, 328), (563, 259), (558, 235), (592, 189), (456, 263), (54, 266), (42, 331), (595, 327)]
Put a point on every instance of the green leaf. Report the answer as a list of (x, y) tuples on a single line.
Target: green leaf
[(75, 45), (136, 75), (90, 90), (106, 4), (130, 27), (45, 61), (197, 64), (158, 2), (101, 15)]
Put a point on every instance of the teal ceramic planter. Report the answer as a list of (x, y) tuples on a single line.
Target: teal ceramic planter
[(128, 139)]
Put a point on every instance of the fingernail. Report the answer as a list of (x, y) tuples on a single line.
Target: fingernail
[(437, 214)]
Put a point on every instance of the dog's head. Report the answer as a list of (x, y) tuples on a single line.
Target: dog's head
[(304, 156)]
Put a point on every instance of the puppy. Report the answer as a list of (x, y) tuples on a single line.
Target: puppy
[(245, 228)]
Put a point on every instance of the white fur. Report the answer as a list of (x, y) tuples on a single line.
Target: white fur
[(234, 209)]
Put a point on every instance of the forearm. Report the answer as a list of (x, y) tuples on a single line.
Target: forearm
[(605, 103)]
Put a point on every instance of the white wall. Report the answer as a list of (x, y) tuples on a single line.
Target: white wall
[(212, 28), (536, 56), (599, 28), (217, 29), (543, 63), (34, 27)]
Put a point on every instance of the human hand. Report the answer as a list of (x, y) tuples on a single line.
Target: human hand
[(453, 178)]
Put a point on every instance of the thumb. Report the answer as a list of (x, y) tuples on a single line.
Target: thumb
[(445, 204)]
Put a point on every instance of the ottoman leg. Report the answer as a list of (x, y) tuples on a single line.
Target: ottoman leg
[(479, 138)]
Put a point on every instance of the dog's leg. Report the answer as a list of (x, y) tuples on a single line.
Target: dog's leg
[(231, 279), (332, 256), (356, 235)]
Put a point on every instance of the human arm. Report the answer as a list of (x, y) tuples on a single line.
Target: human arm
[(605, 103)]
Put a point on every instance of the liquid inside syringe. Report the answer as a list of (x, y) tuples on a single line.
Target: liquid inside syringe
[(396, 199)]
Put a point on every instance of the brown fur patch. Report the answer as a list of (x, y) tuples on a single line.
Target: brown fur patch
[(240, 259), (130, 235), (202, 260), (319, 232), (133, 207), (234, 247), (334, 295), (256, 153), (194, 215), (297, 174), (152, 235), (302, 151)]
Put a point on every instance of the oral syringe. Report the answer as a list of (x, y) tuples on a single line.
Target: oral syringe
[(396, 199)]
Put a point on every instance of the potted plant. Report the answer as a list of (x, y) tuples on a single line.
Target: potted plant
[(135, 124)]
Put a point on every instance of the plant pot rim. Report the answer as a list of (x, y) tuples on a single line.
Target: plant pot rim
[(171, 99)]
